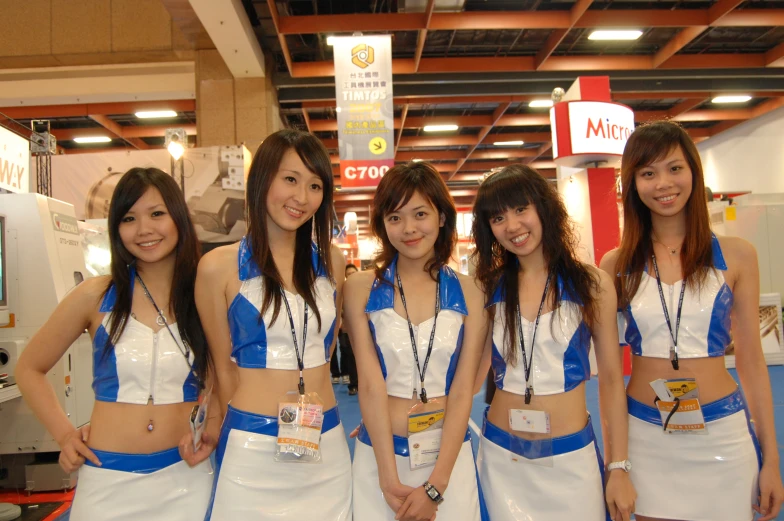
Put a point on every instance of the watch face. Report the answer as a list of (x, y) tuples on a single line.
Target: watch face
[(627, 465), (432, 493)]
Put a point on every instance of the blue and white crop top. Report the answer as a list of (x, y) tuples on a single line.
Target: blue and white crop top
[(261, 345), (142, 365), (705, 318), (393, 341), (560, 359)]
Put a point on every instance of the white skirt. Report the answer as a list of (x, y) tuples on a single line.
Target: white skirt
[(572, 488), (462, 500), (710, 477), (129, 487), (251, 486)]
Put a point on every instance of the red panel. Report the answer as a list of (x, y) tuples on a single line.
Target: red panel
[(362, 173), (604, 210), (563, 137), (594, 88)]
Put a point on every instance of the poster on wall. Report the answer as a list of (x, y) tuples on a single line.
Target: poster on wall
[(214, 179), (771, 330), (366, 119), (14, 162)]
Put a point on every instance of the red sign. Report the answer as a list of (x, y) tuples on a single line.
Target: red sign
[(362, 173)]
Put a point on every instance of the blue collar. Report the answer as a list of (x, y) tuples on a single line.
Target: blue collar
[(382, 294), (499, 294), (248, 269), (110, 297)]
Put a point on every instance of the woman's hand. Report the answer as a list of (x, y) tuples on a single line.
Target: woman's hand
[(74, 449), (395, 495), (620, 496), (194, 457), (417, 507), (771, 491)]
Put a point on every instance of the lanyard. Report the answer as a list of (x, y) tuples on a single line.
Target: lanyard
[(185, 351), (673, 332), (528, 364), (421, 370), (300, 358)]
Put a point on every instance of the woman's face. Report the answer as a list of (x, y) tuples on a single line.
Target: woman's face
[(294, 195), (148, 231), (413, 228), (665, 185), (518, 229)]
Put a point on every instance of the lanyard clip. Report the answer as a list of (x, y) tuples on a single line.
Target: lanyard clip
[(423, 395), (528, 395), (301, 386), (674, 358)]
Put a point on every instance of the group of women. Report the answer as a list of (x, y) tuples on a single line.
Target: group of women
[(250, 328)]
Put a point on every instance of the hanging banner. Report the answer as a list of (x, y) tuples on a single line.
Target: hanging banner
[(366, 119), (14, 162)]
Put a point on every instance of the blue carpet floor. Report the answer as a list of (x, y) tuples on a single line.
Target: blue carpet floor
[(349, 412)]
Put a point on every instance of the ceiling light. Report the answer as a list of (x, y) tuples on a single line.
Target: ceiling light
[(508, 143), (416, 160), (175, 141), (615, 35), (330, 40), (92, 139), (541, 103), (150, 114), (439, 128), (742, 98)]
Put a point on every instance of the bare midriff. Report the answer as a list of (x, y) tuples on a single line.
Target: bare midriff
[(566, 410), (399, 409), (261, 390), (123, 427), (713, 380)]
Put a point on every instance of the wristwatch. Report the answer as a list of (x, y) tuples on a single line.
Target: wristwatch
[(624, 465), (433, 493)]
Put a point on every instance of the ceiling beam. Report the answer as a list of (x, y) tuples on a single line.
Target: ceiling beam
[(544, 147), (775, 56), (185, 18), (403, 115), (284, 46), (497, 115), (63, 134), (557, 35), (308, 125), (106, 109), (685, 106), (117, 130), (422, 36)]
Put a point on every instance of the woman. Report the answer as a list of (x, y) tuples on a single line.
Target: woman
[(149, 359), (538, 457), (414, 359), (680, 288), (268, 308)]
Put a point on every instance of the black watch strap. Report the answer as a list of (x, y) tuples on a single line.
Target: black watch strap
[(433, 493)]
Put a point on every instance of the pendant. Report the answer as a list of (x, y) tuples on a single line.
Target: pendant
[(150, 427), (161, 320), (672, 252)]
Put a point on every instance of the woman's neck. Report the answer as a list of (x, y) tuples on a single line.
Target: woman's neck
[(159, 275), (282, 244), (413, 268), (533, 264), (670, 230)]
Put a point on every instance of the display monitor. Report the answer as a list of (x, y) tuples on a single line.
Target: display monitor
[(3, 283)]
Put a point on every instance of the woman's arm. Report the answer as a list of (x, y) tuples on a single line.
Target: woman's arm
[(372, 388), (68, 321), (753, 371), (612, 398), (487, 356), (339, 276)]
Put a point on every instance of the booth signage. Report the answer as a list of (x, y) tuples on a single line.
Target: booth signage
[(589, 131), (366, 122), (14, 162)]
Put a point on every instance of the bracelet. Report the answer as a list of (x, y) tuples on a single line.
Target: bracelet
[(433, 493)]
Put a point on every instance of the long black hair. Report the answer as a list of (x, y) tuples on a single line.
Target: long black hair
[(134, 183), (263, 170), (518, 186)]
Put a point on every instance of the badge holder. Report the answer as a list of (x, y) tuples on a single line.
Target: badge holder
[(425, 429), (532, 437), (679, 406), (300, 419), (198, 419)]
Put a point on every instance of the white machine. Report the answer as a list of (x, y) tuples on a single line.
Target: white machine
[(42, 261)]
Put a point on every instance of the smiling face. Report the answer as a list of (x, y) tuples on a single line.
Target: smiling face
[(294, 194), (413, 228), (147, 230), (665, 185), (518, 229)]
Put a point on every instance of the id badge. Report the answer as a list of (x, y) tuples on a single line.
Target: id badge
[(687, 417), (300, 419), (425, 428), (198, 419), (526, 420)]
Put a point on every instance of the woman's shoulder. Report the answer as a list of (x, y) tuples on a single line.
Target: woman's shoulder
[(736, 251), (609, 260), (357, 287), (220, 261)]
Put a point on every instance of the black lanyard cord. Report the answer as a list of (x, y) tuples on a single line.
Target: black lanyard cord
[(528, 364), (673, 332), (423, 369), (300, 358)]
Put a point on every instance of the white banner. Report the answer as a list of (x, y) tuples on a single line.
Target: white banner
[(14, 162)]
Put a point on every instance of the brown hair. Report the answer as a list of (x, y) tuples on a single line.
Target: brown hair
[(263, 170), (649, 143), (519, 186), (394, 191)]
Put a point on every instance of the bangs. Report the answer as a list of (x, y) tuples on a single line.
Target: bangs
[(498, 193), (310, 149), (403, 184), (651, 143)]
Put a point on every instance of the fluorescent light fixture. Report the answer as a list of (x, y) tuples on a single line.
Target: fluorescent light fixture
[(92, 139), (541, 103), (742, 98), (508, 143), (439, 128), (416, 160), (330, 40), (151, 114), (615, 35)]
